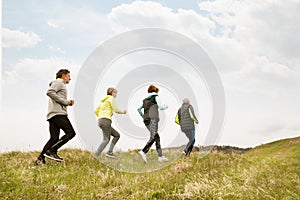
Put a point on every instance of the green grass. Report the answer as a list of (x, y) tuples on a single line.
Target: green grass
[(131, 161), (270, 171)]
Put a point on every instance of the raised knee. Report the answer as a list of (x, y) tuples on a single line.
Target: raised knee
[(73, 134)]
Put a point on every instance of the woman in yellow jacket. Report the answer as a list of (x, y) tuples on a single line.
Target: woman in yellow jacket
[(104, 113)]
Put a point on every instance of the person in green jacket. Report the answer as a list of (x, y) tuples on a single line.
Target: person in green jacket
[(104, 113), (150, 116)]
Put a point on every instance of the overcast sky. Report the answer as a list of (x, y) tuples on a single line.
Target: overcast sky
[(254, 45)]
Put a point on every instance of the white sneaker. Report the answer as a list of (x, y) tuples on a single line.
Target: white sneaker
[(111, 155), (143, 156), (162, 159)]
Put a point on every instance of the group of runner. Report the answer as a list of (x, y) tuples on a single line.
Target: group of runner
[(149, 110)]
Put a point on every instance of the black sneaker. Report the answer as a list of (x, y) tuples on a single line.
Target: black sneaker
[(39, 160), (111, 155), (53, 156)]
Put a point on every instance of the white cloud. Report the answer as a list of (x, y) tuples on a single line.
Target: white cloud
[(257, 44), (231, 33), (41, 69), (262, 75), (53, 24), (265, 28), (82, 26), (32, 76), (141, 14), (56, 49), (17, 38)]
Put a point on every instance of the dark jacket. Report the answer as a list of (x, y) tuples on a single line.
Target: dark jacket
[(186, 117), (150, 109), (151, 104)]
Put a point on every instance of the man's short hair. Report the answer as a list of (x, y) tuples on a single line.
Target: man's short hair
[(61, 72)]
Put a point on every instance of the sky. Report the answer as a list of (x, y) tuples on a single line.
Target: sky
[(254, 46)]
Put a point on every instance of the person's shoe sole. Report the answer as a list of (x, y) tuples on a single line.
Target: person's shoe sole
[(110, 156), (52, 158), (163, 160)]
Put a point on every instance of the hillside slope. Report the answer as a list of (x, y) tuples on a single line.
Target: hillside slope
[(269, 171)]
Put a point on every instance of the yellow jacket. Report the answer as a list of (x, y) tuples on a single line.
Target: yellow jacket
[(107, 106)]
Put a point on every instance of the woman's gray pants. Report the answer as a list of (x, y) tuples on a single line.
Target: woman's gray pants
[(105, 125)]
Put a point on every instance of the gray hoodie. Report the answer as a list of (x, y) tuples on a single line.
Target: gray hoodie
[(58, 98)]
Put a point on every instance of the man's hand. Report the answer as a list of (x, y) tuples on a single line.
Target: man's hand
[(71, 102)]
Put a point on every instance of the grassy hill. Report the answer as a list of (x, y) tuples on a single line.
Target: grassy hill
[(269, 171)]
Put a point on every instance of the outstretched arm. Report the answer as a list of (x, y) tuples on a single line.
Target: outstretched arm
[(115, 107), (159, 104)]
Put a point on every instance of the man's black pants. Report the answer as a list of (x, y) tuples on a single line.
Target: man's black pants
[(55, 124)]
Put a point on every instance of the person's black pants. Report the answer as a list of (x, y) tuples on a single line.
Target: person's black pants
[(55, 124)]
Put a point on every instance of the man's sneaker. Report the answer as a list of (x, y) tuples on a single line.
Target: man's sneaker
[(53, 156), (143, 156), (162, 159), (58, 157), (111, 155), (183, 153), (39, 160)]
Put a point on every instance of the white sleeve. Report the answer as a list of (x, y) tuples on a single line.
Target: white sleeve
[(159, 104)]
